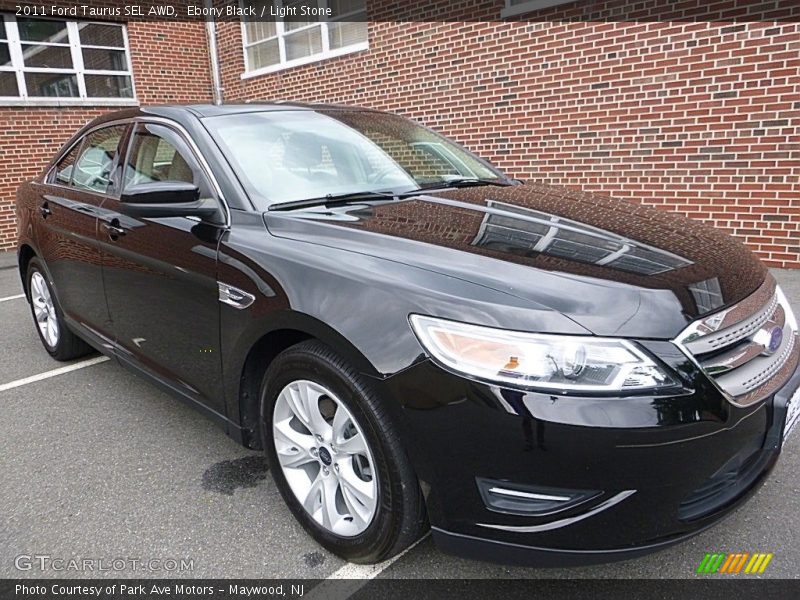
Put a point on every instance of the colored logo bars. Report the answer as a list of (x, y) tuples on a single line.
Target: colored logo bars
[(743, 562)]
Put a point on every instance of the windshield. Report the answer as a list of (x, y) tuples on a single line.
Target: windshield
[(282, 156)]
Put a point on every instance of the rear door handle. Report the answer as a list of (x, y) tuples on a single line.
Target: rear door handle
[(45, 211), (113, 228)]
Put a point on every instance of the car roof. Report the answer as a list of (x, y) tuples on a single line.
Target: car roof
[(182, 113), (211, 110)]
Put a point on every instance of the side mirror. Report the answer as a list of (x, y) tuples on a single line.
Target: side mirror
[(167, 199)]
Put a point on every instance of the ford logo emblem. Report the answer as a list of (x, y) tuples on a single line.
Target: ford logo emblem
[(775, 339), (325, 457)]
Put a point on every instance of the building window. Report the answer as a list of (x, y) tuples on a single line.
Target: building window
[(520, 7), (287, 42), (51, 60)]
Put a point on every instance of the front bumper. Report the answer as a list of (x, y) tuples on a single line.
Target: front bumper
[(679, 463)]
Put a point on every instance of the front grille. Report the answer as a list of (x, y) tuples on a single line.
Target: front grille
[(737, 332), (749, 350)]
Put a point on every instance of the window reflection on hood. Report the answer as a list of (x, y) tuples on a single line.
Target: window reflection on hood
[(528, 232), (707, 295)]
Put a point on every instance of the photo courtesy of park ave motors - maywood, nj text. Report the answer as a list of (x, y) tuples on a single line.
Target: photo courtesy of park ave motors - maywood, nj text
[(329, 297)]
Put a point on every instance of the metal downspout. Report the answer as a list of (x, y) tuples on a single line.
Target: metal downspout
[(216, 80)]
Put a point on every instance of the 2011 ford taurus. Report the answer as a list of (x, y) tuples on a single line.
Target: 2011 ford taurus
[(414, 339)]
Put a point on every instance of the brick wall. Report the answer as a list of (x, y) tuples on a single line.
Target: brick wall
[(701, 118), (170, 65)]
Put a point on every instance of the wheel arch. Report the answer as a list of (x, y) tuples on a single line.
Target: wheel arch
[(290, 329), (24, 256)]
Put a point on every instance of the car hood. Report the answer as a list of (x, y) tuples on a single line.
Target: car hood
[(613, 267)]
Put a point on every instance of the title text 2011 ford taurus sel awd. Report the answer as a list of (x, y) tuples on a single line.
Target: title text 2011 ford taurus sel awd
[(544, 376)]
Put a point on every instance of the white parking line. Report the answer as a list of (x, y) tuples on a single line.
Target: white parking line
[(53, 373), (6, 299), (359, 576)]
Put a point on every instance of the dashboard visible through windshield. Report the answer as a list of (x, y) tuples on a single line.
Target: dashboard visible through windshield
[(285, 156)]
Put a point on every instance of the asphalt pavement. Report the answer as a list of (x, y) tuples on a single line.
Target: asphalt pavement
[(98, 464)]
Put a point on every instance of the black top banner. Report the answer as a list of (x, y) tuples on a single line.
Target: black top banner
[(411, 10)]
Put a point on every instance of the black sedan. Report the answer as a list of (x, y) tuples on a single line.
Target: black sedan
[(413, 339)]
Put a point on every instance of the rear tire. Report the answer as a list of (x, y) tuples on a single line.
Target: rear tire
[(53, 331), (337, 455)]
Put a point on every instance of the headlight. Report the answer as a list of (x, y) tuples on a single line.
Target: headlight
[(552, 362)]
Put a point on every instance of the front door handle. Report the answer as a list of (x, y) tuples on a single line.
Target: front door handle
[(45, 211), (114, 229)]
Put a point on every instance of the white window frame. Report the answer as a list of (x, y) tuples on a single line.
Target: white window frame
[(281, 34), (73, 42), (530, 6)]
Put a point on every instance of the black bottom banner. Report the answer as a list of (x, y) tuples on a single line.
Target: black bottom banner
[(330, 589)]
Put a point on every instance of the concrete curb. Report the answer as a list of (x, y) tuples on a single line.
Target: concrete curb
[(8, 260)]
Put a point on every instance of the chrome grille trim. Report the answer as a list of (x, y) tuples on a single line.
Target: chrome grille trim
[(775, 366), (731, 335), (731, 359), (737, 358), (740, 355)]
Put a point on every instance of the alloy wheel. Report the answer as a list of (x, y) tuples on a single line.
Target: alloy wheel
[(44, 310), (325, 458)]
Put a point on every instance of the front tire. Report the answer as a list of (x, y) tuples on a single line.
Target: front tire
[(53, 331), (336, 458)]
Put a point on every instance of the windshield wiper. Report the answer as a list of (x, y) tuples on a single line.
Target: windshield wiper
[(346, 198), (467, 182), (338, 199)]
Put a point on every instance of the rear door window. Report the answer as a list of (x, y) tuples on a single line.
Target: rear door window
[(62, 174), (93, 169)]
